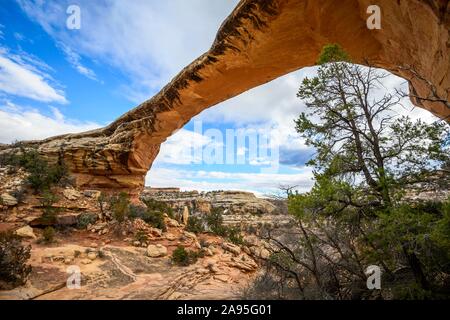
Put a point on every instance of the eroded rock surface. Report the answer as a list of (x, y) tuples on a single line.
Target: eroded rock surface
[(260, 41), (130, 259), (240, 208)]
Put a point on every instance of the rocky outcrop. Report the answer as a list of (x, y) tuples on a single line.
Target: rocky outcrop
[(260, 41), (239, 208), (156, 250), (8, 200)]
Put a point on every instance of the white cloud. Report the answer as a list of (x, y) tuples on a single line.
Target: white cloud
[(273, 105), (179, 148), (149, 41), (18, 123), (20, 78), (75, 60), (259, 183), (19, 36)]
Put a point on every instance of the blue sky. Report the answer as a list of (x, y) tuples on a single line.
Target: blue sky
[(54, 80)]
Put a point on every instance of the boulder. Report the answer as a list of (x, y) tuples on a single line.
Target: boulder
[(156, 232), (172, 222), (92, 256), (234, 249), (26, 232), (190, 235), (260, 252), (246, 265), (71, 194), (8, 200), (156, 251)]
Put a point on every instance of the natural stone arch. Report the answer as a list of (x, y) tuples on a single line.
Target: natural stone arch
[(260, 41)]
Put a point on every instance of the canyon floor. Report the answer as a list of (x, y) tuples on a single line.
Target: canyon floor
[(115, 264)]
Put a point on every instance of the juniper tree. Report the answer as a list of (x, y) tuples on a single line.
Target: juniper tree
[(355, 216), (352, 123)]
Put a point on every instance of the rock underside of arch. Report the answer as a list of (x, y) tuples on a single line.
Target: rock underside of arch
[(260, 41)]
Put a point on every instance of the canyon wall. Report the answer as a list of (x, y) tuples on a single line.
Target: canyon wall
[(258, 42)]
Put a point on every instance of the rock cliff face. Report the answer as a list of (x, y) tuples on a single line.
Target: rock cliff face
[(242, 209), (260, 41)]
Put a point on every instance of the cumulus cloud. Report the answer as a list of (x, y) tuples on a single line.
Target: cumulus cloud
[(274, 106), (21, 78), (19, 123), (179, 148)]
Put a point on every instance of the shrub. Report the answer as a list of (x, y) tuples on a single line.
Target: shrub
[(85, 219), (234, 235), (155, 219), (214, 220), (195, 225), (42, 175), (50, 213), (155, 205), (137, 212), (120, 206), (48, 236), (141, 236), (102, 200), (13, 257), (183, 257)]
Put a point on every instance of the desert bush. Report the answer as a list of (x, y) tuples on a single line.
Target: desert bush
[(42, 175), (234, 235), (155, 219), (120, 206), (137, 212), (155, 205), (85, 219), (141, 236), (183, 257), (13, 257), (50, 213), (214, 221), (195, 225), (102, 201), (152, 217), (270, 285), (48, 236)]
